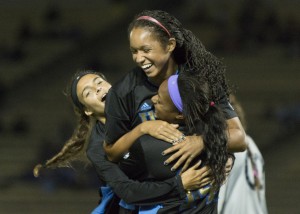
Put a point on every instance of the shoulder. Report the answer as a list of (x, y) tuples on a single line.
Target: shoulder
[(226, 107), (96, 137), (128, 82), (98, 130)]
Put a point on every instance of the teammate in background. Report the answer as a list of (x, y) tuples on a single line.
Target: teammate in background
[(244, 190)]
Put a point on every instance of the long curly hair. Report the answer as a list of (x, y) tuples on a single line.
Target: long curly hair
[(189, 54), (203, 117), (74, 148)]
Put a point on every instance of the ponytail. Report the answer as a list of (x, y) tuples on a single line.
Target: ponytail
[(215, 141), (203, 117), (74, 148)]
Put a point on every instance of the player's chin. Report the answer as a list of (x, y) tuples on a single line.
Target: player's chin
[(148, 73), (151, 72)]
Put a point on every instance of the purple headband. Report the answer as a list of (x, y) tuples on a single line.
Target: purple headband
[(174, 92), (151, 19)]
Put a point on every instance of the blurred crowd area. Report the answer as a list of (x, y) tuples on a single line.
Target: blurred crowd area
[(42, 43)]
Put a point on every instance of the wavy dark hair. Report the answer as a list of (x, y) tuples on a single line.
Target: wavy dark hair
[(74, 147), (203, 117), (190, 54)]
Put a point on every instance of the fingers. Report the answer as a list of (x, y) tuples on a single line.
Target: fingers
[(205, 181), (196, 165), (185, 152), (171, 150), (171, 136), (175, 125), (165, 138), (206, 172), (193, 168), (170, 131), (179, 162), (161, 130), (170, 128), (187, 162), (184, 159)]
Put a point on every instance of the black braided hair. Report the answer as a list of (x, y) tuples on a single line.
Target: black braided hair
[(203, 117), (190, 54)]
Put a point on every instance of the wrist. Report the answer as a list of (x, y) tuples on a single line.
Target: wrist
[(190, 197), (180, 188), (142, 129)]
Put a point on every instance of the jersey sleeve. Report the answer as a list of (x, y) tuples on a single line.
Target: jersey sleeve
[(226, 107), (147, 192), (117, 116), (134, 192)]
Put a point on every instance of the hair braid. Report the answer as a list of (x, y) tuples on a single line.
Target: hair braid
[(215, 141), (208, 121), (73, 149)]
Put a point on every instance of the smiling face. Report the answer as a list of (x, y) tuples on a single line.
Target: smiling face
[(164, 107), (91, 92), (148, 53)]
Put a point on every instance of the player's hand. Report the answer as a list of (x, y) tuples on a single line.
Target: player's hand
[(195, 178), (161, 130), (185, 152)]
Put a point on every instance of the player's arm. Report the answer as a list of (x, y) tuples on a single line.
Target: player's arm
[(150, 193), (192, 146), (145, 193), (156, 128)]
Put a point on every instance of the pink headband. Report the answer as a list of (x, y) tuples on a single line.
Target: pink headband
[(174, 92), (149, 18)]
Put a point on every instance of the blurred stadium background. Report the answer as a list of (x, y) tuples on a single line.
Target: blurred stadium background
[(42, 43)]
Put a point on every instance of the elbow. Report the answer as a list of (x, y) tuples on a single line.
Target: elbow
[(236, 136), (237, 141), (109, 153), (241, 139), (112, 158)]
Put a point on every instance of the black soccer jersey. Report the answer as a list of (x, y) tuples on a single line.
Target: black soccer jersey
[(145, 193), (129, 103), (149, 166)]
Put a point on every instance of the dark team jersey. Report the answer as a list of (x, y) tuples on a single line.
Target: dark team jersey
[(140, 193), (148, 165), (129, 103)]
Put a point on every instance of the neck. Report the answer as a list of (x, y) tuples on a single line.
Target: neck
[(170, 69)]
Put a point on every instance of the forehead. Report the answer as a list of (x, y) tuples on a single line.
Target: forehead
[(86, 80), (142, 36)]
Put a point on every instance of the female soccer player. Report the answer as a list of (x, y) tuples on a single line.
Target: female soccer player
[(161, 47), (185, 100)]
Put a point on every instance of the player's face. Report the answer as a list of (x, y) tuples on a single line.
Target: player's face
[(91, 92), (149, 54), (164, 107)]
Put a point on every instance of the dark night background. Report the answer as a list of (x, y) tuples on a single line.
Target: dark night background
[(42, 43)]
